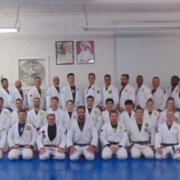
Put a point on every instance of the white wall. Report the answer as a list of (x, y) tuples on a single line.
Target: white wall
[(37, 40), (39, 33), (149, 54)]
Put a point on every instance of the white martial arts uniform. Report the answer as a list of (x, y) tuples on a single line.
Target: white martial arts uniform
[(52, 92), (33, 93), (95, 116), (16, 95), (176, 95), (127, 93), (142, 95), (160, 97), (3, 133), (94, 91), (125, 118), (28, 138), (38, 120), (152, 118), (57, 114), (169, 140), (66, 94), (51, 147), (111, 92), (140, 139), (162, 117), (5, 118), (5, 97), (109, 136), (66, 121), (82, 139)]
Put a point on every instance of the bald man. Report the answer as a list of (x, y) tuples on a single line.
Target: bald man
[(17, 93), (53, 91)]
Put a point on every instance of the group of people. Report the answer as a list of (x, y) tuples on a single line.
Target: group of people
[(130, 122)]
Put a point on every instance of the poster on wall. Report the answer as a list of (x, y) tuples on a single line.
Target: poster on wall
[(64, 52), (31, 68), (85, 52)]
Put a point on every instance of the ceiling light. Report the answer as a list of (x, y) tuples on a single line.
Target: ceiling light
[(9, 29)]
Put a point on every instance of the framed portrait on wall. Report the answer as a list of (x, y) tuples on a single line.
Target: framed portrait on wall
[(64, 52), (85, 52), (31, 68)]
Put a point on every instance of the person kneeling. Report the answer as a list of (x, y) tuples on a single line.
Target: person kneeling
[(113, 137), (21, 138), (167, 140), (82, 137), (51, 140)]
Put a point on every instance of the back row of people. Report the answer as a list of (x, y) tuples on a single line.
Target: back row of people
[(72, 92)]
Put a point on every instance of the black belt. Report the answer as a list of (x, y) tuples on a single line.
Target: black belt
[(113, 143), (170, 144), (81, 144)]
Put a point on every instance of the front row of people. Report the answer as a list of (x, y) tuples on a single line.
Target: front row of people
[(81, 139)]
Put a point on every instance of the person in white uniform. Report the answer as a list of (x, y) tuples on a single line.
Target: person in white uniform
[(71, 92), (140, 132), (37, 116), (159, 95), (93, 113), (5, 93), (18, 93), (21, 138), (150, 114), (68, 116), (109, 108), (14, 114), (114, 138), (5, 115), (54, 90), (109, 91), (167, 140), (82, 137), (128, 115), (51, 140), (126, 92), (143, 93), (54, 109), (36, 91), (3, 134), (93, 90), (174, 91), (170, 105)]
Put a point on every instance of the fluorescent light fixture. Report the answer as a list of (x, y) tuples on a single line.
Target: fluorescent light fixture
[(9, 29), (136, 26)]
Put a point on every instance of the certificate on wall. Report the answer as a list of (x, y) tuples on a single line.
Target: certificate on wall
[(64, 52), (85, 52)]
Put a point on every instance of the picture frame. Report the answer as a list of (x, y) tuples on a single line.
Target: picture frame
[(64, 52), (31, 68), (85, 52)]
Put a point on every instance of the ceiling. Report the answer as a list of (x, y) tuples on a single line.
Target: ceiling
[(9, 8)]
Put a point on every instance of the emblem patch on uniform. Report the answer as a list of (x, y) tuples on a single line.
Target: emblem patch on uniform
[(177, 90), (146, 130), (147, 124), (30, 95), (176, 128), (96, 112), (126, 90), (6, 112), (28, 128), (98, 92), (73, 91), (120, 127), (101, 130), (93, 88), (110, 91), (155, 113), (142, 90)]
